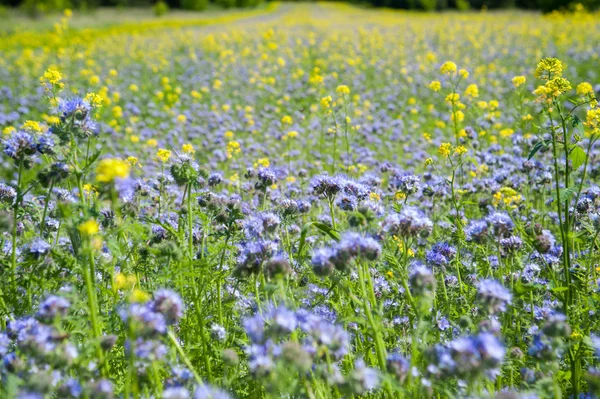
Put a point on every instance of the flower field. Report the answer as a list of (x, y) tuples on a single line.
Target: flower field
[(301, 201)]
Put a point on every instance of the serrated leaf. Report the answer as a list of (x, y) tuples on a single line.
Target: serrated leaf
[(577, 157), (566, 194)]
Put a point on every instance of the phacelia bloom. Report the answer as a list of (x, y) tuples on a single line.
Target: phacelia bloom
[(410, 222), (51, 308), (20, 145), (169, 304), (493, 296), (502, 225), (38, 248)]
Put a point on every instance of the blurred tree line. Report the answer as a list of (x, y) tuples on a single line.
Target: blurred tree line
[(35, 7), (430, 5)]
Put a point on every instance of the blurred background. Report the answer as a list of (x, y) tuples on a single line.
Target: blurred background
[(11, 10)]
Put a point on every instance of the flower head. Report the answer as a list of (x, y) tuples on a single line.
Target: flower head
[(112, 168)]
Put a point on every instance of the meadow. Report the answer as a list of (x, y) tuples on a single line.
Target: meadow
[(300, 201)]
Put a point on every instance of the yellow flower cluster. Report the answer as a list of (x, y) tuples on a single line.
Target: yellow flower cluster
[(112, 168), (519, 81), (52, 80), (233, 148), (448, 68), (163, 155), (95, 100), (343, 90), (508, 197), (32, 126), (435, 85), (592, 121), (446, 149), (188, 149), (88, 228)]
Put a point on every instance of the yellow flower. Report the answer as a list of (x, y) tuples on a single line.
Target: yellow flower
[(89, 189), (134, 139), (435, 85), (549, 68), (458, 116), (132, 161), (117, 111), (228, 134), (125, 282), (472, 91), (152, 142), (188, 148), (592, 120), (584, 88), (452, 98), (506, 132), (444, 149), (8, 130), (94, 100), (518, 81), (51, 79), (111, 168), (373, 196), (233, 148), (463, 73), (163, 155), (287, 120), (88, 228), (292, 134), (343, 90), (133, 87), (325, 102), (400, 245), (448, 68), (399, 196), (181, 119), (32, 126), (264, 162), (139, 296), (428, 161), (120, 281), (460, 150)]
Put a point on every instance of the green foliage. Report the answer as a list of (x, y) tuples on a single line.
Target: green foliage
[(196, 5), (160, 8)]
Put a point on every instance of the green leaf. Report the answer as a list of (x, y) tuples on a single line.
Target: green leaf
[(566, 194), (577, 157), (559, 289), (303, 233), (322, 227), (91, 160), (538, 146), (327, 230)]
